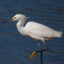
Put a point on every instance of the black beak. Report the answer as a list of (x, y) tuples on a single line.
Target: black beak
[(6, 21)]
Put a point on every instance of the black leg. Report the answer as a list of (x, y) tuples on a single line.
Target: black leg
[(41, 57), (46, 45), (40, 53)]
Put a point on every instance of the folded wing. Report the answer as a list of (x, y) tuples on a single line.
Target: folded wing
[(41, 30)]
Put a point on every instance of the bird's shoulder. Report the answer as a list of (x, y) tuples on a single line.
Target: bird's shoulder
[(39, 29), (31, 23), (36, 25)]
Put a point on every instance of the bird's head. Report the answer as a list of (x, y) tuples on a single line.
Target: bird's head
[(17, 17)]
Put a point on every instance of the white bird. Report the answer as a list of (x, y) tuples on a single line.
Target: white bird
[(34, 30)]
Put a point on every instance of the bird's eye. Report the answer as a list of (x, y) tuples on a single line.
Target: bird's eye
[(14, 18)]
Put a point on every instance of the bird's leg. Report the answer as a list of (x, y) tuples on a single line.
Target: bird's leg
[(34, 53), (47, 48), (40, 52), (39, 45)]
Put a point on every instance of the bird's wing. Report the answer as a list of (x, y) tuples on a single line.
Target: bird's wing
[(39, 30)]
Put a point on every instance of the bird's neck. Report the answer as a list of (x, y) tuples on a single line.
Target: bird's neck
[(20, 24)]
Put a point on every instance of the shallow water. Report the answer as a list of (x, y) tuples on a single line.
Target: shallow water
[(15, 48)]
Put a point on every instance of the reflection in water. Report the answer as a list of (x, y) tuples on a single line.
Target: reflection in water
[(15, 48)]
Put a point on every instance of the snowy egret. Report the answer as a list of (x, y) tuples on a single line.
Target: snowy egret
[(34, 30)]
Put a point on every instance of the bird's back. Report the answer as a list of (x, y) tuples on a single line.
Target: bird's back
[(41, 30)]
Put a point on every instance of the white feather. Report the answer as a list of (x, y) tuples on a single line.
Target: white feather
[(35, 30)]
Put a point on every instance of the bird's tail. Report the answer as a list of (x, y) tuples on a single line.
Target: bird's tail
[(59, 34)]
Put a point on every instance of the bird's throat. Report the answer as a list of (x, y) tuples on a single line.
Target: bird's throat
[(20, 25)]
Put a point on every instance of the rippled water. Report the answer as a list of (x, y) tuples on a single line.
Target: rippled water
[(15, 48)]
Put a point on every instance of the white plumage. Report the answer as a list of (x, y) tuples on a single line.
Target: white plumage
[(35, 30)]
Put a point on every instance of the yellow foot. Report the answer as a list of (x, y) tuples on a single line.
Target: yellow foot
[(33, 54)]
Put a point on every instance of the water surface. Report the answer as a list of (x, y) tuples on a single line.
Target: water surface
[(15, 48)]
